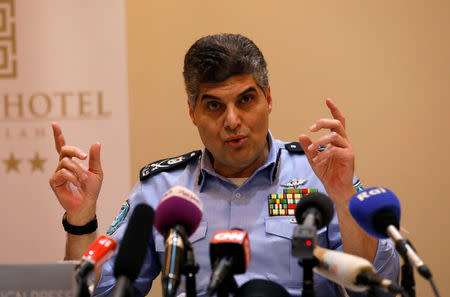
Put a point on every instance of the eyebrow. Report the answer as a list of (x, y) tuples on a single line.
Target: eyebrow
[(208, 96)]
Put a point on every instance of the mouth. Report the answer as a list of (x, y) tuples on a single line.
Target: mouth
[(236, 140)]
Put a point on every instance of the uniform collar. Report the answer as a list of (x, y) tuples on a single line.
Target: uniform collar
[(269, 168)]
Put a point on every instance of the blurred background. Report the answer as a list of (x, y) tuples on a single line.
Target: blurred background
[(385, 63)]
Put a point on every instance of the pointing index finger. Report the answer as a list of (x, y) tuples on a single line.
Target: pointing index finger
[(335, 112), (58, 137)]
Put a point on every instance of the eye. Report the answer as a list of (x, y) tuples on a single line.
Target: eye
[(212, 105), (246, 98)]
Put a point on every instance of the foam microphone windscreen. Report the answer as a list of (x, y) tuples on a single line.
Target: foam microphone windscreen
[(178, 206), (319, 201), (134, 244), (374, 209), (261, 288)]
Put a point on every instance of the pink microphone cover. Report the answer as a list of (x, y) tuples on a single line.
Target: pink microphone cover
[(178, 206)]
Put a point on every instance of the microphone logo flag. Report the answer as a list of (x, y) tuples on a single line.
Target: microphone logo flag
[(229, 236), (369, 193)]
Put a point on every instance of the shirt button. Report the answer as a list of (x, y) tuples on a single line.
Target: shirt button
[(238, 195)]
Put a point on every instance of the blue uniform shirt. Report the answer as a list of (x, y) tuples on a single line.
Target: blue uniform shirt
[(226, 206)]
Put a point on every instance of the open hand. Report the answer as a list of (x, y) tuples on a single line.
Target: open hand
[(76, 187)]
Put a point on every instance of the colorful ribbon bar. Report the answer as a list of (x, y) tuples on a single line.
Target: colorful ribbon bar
[(299, 191), (284, 204)]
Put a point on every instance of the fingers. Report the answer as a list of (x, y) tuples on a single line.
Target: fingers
[(68, 151), (62, 148), (74, 167), (341, 154), (95, 165), (58, 137), (335, 112), (305, 143), (325, 155), (331, 124), (332, 138), (61, 177)]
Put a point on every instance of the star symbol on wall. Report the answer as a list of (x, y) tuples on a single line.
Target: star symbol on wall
[(12, 163), (37, 163)]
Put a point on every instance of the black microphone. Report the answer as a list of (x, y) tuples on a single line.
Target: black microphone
[(312, 212), (133, 249), (229, 253), (315, 209), (261, 288)]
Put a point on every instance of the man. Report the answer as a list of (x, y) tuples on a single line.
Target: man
[(229, 101)]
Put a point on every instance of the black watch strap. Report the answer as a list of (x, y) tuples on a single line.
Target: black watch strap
[(80, 230)]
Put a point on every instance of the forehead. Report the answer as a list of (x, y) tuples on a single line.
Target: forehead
[(232, 86)]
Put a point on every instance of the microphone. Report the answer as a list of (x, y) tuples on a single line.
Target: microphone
[(133, 249), (96, 255), (229, 253), (312, 212), (352, 272), (315, 209), (177, 216), (261, 288), (377, 211)]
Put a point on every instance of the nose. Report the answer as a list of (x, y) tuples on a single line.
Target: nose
[(232, 118)]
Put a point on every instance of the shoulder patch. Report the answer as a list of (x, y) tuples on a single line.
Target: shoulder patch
[(358, 186), (167, 164), (119, 219), (294, 147)]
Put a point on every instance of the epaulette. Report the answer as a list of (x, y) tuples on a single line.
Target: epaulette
[(167, 164), (294, 147)]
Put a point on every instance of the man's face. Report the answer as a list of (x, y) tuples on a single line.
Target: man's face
[(232, 118)]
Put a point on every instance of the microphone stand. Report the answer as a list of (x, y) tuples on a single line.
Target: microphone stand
[(303, 244), (402, 245), (372, 292), (407, 282), (189, 270), (308, 276), (228, 286), (83, 290)]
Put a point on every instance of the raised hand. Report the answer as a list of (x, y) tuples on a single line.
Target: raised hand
[(335, 165), (76, 187)]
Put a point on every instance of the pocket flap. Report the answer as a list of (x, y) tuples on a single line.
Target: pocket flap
[(200, 232), (280, 226)]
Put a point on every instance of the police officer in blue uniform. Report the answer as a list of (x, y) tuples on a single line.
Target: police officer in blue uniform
[(234, 175)]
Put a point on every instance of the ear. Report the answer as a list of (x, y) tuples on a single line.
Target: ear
[(269, 99), (191, 112)]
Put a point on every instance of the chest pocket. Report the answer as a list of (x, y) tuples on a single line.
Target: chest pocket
[(282, 267), (285, 270), (199, 234)]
